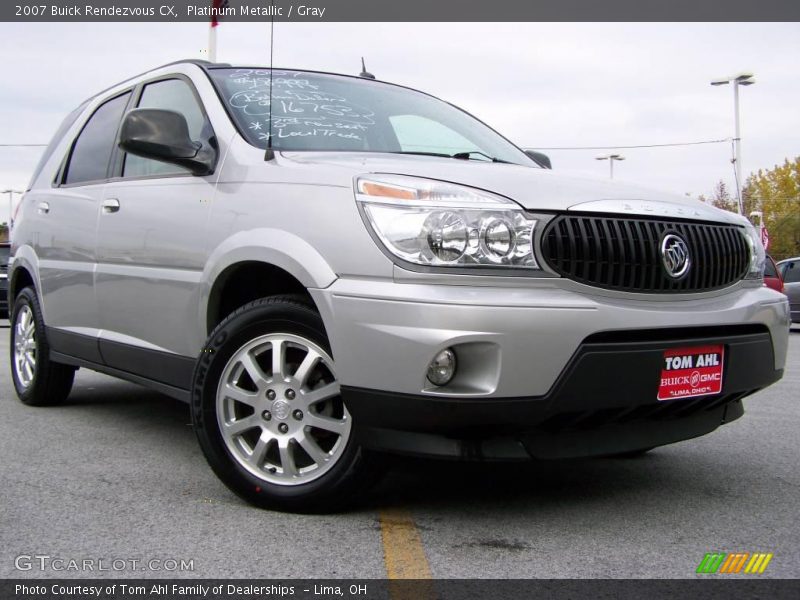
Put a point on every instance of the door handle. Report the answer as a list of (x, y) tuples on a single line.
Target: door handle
[(111, 205), (44, 208)]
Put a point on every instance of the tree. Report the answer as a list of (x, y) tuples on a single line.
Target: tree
[(776, 192), (3, 232), (721, 198)]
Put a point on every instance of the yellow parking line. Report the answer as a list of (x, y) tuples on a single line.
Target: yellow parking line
[(404, 557), (403, 552)]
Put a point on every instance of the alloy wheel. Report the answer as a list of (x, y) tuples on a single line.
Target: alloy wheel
[(280, 410)]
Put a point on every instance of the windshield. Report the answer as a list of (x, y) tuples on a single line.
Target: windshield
[(315, 111)]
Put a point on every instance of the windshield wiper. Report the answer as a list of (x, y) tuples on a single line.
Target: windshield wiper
[(458, 155), (468, 155), (422, 153)]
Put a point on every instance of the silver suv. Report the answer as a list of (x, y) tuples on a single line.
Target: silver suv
[(328, 267)]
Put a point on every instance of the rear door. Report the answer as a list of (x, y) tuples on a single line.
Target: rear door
[(63, 223), (151, 250)]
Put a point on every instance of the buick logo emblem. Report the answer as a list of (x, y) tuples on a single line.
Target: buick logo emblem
[(280, 408), (675, 256)]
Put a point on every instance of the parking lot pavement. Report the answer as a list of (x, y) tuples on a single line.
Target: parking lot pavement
[(116, 473)]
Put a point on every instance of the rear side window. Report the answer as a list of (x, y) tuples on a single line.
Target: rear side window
[(175, 95), (92, 150), (791, 272), (51, 147)]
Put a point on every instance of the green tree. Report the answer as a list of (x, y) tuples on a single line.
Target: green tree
[(726, 200), (776, 192), (721, 197)]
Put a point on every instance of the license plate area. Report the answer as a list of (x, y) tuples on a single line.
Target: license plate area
[(691, 372)]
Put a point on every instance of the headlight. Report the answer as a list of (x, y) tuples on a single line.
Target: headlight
[(757, 254), (433, 223)]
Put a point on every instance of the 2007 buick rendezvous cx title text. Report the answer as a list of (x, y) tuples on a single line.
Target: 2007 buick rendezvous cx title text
[(391, 275)]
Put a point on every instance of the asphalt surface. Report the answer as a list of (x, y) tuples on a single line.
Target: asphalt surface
[(116, 473)]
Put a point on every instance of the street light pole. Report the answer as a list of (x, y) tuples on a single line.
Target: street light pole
[(736, 81), (610, 158), (737, 145)]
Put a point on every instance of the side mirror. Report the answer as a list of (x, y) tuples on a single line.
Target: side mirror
[(540, 159), (164, 135)]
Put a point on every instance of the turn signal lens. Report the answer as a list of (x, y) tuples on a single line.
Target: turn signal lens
[(382, 190)]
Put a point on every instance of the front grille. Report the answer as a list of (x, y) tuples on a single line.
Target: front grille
[(622, 253)]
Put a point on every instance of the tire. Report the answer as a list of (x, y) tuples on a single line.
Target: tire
[(284, 443), (38, 380)]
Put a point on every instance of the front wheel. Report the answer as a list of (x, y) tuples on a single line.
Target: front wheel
[(268, 412)]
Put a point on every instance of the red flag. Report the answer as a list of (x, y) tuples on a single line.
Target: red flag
[(216, 6), (764, 237)]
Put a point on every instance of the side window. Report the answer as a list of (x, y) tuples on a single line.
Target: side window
[(791, 272), (92, 150), (170, 94), (769, 268), (55, 141), (420, 134)]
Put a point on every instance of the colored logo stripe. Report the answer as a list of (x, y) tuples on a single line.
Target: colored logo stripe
[(711, 562), (734, 562), (759, 562)]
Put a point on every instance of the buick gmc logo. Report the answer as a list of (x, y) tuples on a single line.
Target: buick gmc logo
[(675, 255)]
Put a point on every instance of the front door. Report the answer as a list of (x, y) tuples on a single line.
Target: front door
[(151, 251)]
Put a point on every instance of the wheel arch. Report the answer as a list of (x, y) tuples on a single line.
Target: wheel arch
[(23, 273), (256, 264)]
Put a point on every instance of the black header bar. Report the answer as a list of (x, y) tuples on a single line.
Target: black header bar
[(708, 587), (402, 10)]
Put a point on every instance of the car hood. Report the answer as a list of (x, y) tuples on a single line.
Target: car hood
[(531, 187)]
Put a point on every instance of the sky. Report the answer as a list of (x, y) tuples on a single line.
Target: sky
[(543, 85)]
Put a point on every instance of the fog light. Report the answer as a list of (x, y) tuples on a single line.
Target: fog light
[(442, 367)]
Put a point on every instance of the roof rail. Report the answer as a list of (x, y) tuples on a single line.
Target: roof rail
[(194, 61), (203, 64)]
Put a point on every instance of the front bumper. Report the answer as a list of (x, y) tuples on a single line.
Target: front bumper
[(603, 403), (550, 372)]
